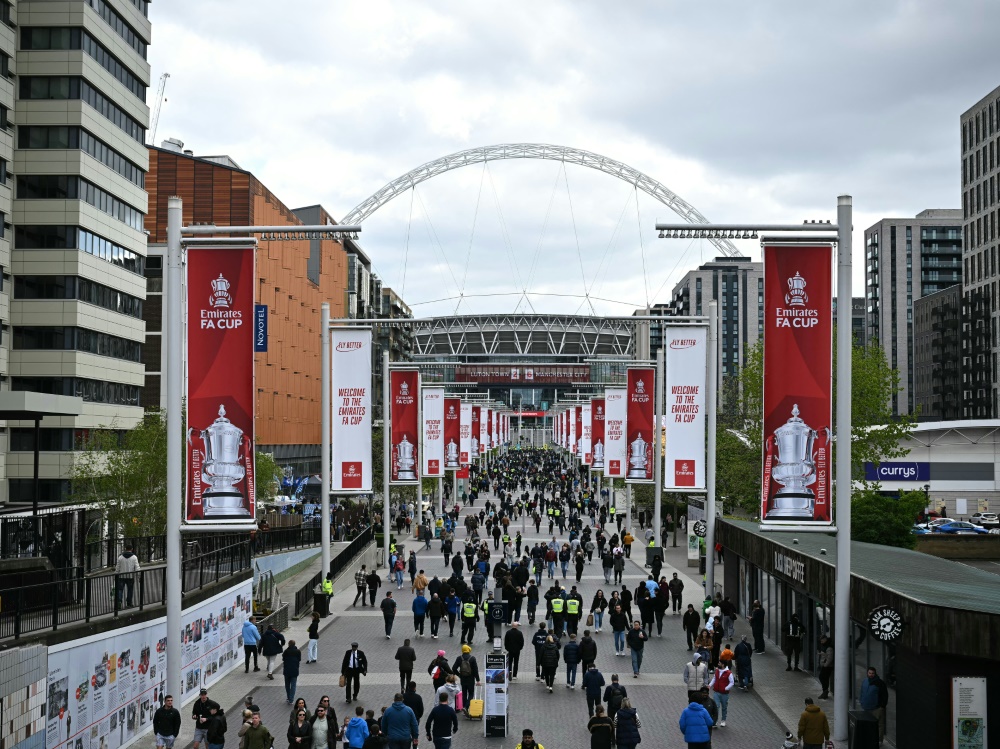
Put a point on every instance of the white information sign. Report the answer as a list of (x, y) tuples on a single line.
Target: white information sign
[(351, 403), (684, 409), (433, 431), (615, 448)]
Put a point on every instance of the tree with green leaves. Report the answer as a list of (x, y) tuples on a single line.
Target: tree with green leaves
[(878, 519), (267, 477)]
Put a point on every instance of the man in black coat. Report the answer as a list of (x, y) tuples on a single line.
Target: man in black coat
[(374, 583), (353, 666), (167, 721), (513, 643), (413, 700)]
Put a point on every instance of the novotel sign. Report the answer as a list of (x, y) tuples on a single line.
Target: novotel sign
[(889, 471)]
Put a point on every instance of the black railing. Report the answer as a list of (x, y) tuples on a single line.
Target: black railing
[(71, 596), (105, 552), (304, 595)]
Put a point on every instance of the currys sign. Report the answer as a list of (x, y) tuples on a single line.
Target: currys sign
[(898, 472)]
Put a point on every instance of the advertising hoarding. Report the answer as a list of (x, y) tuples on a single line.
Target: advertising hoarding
[(686, 372), (351, 404)]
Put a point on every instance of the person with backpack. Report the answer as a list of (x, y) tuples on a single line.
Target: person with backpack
[(720, 686), (271, 645), (695, 723), (614, 693), (468, 674), (439, 669)]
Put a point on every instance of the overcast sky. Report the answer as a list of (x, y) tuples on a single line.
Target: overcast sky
[(762, 111)]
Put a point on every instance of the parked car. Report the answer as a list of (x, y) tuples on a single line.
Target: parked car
[(919, 530), (959, 526), (931, 524), (986, 519)]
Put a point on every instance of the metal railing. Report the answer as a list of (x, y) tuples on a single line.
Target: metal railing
[(105, 552), (71, 596), (304, 595)]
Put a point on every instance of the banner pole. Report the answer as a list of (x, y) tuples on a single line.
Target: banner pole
[(386, 457), (657, 449), (842, 590), (325, 426), (176, 501), (712, 403)]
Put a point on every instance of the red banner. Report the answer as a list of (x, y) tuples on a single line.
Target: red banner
[(798, 384), (404, 386), (452, 433), (639, 424), (476, 434), (597, 433), (489, 429), (220, 385), (578, 431)]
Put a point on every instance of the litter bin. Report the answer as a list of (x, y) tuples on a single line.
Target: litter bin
[(321, 603), (653, 551), (862, 730), (701, 564)]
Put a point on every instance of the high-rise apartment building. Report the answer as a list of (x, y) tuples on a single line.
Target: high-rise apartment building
[(906, 259), (937, 355), (737, 283), (980, 135), (73, 161)]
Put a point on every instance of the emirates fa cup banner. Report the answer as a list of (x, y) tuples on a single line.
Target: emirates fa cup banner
[(495, 435), (798, 384), (220, 385), (574, 434), (452, 434), (433, 418), (351, 409), (639, 431), (684, 410), (597, 433), (484, 436), (615, 450), (586, 458), (475, 432), (404, 384), (465, 434), (489, 428)]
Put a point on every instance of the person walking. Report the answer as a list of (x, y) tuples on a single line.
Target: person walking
[(571, 657), (356, 731), (627, 726), (619, 567), (291, 660), (125, 574), (513, 643), (619, 623), (814, 728), (442, 724), (602, 730), (614, 693), (419, 608), (470, 616), (695, 723), (399, 724), (300, 731), (166, 723), (588, 650), (695, 676), (200, 715), (420, 583), (528, 740), (354, 665), (406, 656), (453, 606), (413, 700), (312, 654), (215, 731), (374, 582), (873, 697), (720, 686), (691, 622), (439, 669), (361, 584), (272, 642), (676, 587), (388, 607), (592, 683), (744, 663), (251, 644), (323, 727), (597, 607), (757, 626), (637, 642), (451, 690), (537, 641), (794, 632), (467, 669), (550, 661), (256, 736), (436, 611), (825, 659)]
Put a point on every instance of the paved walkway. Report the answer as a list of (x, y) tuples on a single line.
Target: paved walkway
[(558, 719)]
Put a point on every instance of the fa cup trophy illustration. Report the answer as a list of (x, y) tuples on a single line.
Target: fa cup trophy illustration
[(795, 469), (405, 460), (638, 456), (451, 455), (221, 470), (598, 458)]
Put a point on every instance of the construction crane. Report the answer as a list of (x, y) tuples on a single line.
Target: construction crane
[(155, 120)]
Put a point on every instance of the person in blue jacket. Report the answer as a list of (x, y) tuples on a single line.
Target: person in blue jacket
[(399, 723), (419, 612), (251, 640), (694, 724), (452, 604)]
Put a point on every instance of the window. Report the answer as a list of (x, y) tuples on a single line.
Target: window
[(61, 338), (74, 238), (68, 87), (69, 187), (46, 38), (5, 122), (116, 22), (82, 289), (3, 172), (92, 391)]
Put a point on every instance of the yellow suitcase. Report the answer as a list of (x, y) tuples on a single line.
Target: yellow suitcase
[(475, 710)]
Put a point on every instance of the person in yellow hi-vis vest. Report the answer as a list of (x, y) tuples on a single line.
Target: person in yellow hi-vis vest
[(470, 615)]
